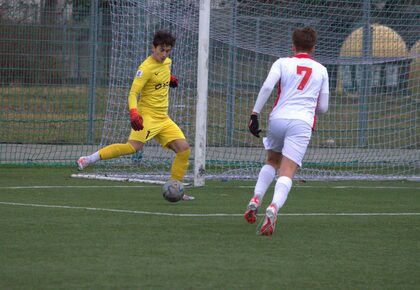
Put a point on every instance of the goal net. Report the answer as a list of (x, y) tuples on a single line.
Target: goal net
[(370, 48)]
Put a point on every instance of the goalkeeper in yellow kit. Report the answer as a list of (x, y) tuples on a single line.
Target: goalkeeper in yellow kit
[(149, 115)]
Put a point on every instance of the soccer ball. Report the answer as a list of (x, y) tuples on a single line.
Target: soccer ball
[(173, 190)]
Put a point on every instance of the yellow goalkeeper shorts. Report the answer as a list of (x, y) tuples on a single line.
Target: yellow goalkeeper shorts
[(162, 128)]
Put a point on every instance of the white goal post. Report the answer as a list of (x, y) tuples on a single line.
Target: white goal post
[(202, 93)]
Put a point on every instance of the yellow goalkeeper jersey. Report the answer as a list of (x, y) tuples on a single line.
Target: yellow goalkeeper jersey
[(151, 87)]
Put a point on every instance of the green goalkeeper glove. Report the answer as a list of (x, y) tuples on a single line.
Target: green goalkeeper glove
[(254, 126), (136, 120)]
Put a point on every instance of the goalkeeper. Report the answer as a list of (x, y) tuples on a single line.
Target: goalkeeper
[(148, 105)]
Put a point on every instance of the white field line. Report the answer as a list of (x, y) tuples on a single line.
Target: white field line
[(345, 187), (76, 186), (227, 186), (198, 215)]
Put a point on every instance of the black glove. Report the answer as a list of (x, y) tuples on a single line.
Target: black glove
[(253, 126)]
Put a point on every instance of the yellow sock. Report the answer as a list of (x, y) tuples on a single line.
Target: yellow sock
[(180, 165), (116, 150)]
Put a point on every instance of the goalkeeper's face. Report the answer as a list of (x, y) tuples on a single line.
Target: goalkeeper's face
[(161, 52)]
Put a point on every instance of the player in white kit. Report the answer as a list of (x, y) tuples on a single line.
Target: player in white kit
[(303, 92)]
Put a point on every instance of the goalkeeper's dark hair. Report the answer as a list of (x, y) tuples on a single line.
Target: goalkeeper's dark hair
[(163, 37), (304, 39)]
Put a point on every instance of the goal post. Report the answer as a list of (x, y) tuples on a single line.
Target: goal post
[(202, 93)]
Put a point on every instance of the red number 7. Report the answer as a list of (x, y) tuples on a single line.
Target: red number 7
[(307, 73)]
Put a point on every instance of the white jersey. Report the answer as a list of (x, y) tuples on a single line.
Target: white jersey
[(302, 82)]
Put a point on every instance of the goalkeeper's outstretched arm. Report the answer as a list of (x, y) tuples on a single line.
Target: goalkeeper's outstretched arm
[(138, 83)]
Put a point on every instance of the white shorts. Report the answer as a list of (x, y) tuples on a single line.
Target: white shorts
[(288, 137)]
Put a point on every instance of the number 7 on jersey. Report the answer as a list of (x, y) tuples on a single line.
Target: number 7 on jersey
[(306, 71)]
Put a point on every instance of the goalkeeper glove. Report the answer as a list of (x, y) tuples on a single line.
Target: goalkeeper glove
[(173, 83), (136, 120), (253, 126)]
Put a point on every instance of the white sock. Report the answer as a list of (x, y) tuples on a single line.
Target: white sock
[(283, 186), (93, 158), (265, 178)]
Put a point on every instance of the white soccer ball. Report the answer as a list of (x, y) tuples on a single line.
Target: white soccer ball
[(173, 190)]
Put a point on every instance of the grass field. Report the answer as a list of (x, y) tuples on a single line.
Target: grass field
[(59, 232)]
